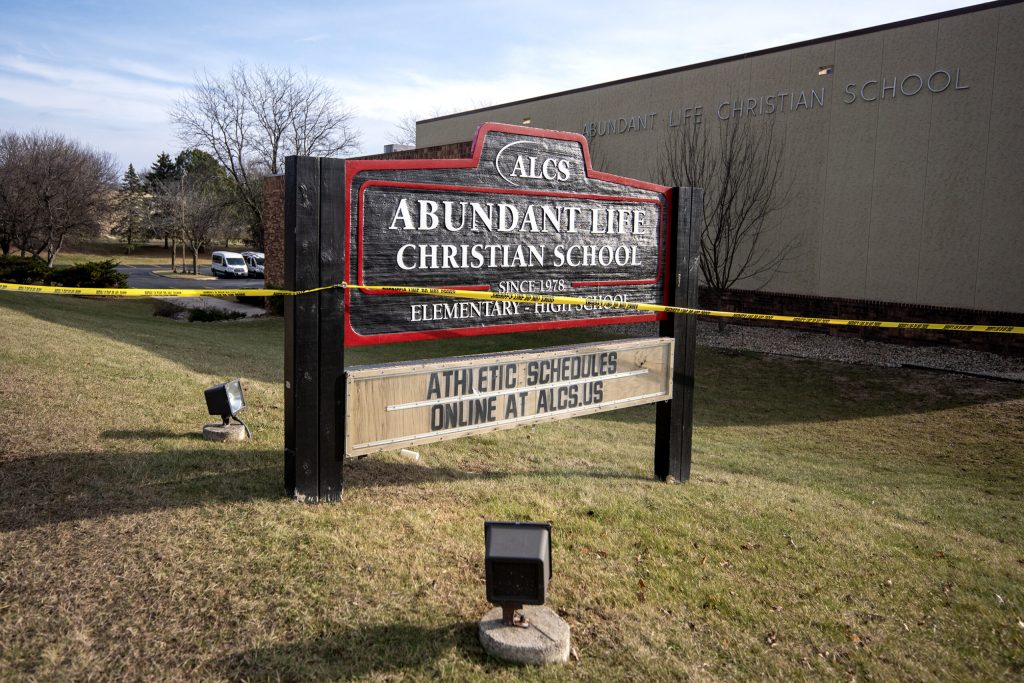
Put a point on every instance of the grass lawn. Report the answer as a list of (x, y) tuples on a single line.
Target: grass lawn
[(151, 253), (842, 522)]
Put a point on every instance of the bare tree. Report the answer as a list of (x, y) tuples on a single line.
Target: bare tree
[(740, 168), (52, 188), (254, 117), (193, 210), (404, 132), (16, 211)]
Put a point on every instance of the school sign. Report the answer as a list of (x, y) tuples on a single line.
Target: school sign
[(525, 214)]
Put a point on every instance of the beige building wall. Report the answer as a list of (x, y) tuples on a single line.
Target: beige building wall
[(898, 193)]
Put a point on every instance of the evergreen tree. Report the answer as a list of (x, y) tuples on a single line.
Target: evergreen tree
[(132, 211), (203, 170), (162, 170), (200, 165)]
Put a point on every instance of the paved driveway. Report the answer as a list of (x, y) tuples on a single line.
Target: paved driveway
[(141, 277)]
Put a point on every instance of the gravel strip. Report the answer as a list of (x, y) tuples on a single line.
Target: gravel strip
[(818, 346)]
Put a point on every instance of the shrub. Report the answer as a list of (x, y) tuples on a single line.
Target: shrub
[(166, 309), (22, 270), (212, 315), (92, 274)]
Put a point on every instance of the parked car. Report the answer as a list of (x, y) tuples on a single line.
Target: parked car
[(254, 262), (228, 264)]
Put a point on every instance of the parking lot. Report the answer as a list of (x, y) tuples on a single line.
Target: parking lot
[(142, 277)]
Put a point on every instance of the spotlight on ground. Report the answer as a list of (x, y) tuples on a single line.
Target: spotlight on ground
[(517, 564), (227, 401)]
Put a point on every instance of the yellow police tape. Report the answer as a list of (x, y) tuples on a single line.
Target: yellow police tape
[(515, 297), (656, 308), (102, 291)]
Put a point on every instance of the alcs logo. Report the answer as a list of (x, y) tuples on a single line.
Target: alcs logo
[(531, 167)]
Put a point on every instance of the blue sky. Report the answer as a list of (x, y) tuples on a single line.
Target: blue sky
[(107, 73)]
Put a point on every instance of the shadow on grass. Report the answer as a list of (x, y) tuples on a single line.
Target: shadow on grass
[(351, 652), (252, 349), (755, 390), (132, 434), (56, 488)]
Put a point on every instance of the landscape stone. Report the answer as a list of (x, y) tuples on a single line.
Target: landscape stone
[(221, 432), (545, 641)]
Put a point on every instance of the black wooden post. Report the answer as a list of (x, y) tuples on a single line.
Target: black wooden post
[(674, 427), (332, 330), (314, 341)]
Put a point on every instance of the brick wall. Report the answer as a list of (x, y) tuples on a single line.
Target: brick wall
[(455, 150), (273, 204), (273, 231)]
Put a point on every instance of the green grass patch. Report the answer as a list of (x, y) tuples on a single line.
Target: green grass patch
[(842, 522)]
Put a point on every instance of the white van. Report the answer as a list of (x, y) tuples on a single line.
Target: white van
[(254, 262), (228, 264)]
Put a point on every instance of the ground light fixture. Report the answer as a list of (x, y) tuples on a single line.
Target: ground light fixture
[(227, 400), (517, 565)]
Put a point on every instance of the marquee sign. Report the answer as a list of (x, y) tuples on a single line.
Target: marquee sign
[(404, 404), (525, 214)]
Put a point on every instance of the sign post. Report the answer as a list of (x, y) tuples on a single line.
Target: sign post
[(314, 345), (673, 434), (526, 214)]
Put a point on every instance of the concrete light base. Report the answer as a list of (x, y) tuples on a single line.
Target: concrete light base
[(545, 641), (222, 432)]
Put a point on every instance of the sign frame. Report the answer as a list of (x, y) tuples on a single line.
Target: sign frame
[(353, 270)]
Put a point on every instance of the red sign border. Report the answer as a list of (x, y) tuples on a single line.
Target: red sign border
[(356, 166)]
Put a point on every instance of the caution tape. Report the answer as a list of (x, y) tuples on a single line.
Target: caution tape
[(518, 298), (657, 308), (105, 291)]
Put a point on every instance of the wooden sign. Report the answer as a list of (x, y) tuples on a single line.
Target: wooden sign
[(404, 404), (525, 214)]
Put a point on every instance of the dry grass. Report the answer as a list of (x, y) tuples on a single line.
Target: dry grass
[(151, 253), (842, 522)]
